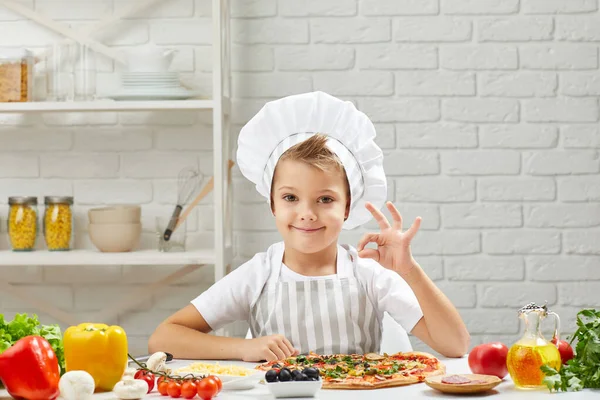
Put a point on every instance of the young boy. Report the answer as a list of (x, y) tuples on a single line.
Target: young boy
[(308, 293)]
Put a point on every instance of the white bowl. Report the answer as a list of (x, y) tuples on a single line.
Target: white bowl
[(294, 388), (115, 238), (115, 215), (232, 382)]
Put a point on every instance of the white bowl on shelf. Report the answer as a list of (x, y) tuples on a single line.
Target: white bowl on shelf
[(115, 238)]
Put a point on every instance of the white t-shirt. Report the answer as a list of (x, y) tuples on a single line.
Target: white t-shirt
[(232, 297)]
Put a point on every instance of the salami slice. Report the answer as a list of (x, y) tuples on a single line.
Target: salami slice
[(455, 380)]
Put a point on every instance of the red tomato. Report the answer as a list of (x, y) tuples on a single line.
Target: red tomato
[(174, 389), (146, 376), (207, 388), (565, 350), (489, 359), (162, 388), (188, 389), (218, 380)]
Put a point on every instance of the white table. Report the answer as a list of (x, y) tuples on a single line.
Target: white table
[(505, 390)]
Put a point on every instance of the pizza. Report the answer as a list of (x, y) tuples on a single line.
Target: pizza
[(368, 371)]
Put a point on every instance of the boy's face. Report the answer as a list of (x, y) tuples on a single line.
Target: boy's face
[(309, 205)]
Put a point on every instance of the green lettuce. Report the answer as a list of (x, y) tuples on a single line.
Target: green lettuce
[(23, 325)]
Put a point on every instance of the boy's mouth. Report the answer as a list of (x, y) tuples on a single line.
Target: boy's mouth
[(307, 230)]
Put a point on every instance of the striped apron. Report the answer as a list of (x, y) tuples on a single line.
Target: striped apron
[(326, 316)]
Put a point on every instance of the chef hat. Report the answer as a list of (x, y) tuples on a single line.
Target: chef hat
[(283, 123)]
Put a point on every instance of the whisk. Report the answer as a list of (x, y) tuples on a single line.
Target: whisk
[(187, 182)]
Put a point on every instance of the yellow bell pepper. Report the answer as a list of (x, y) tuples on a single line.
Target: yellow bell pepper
[(99, 349)]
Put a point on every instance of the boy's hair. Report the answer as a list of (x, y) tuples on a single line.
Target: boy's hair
[(314, 152)]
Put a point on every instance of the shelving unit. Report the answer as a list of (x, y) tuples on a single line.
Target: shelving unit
[(221, 255)]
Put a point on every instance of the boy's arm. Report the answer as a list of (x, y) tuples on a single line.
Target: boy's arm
[(441, 327), (185, 335)]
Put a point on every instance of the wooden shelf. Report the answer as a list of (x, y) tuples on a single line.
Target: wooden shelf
[(106, 105), (94, 257)]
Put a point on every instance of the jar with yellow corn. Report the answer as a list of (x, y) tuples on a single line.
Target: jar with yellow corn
[(58, 223), (22, 223)]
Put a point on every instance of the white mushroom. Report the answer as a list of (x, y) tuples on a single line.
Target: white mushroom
[(130, 372), (129, 388), (76, 385), (157, 362)]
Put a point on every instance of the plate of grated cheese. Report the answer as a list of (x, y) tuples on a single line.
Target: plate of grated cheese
[(234, 377)]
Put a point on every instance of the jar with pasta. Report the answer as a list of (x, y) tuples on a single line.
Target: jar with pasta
[(16, 75), (22, 223), (58, 223)]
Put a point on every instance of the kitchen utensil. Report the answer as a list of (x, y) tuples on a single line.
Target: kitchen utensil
[(529, 353), (480, 383), (187, 182), (177, 240), (59, 70), (205, 191)]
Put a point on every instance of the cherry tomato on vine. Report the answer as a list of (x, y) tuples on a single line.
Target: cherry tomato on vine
[(218, 381), (188, 389), (174, 389), (207, 388), (146, 376), (162, 388)]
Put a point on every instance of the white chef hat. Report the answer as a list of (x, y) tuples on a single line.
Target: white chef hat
[(283, 123)]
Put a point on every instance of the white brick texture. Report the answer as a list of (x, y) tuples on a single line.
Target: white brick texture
[(487, 112)]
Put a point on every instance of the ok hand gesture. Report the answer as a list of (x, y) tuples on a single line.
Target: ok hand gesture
[(393, 245)]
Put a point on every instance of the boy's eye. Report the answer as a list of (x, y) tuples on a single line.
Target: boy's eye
[(289, 197), (326, 199)]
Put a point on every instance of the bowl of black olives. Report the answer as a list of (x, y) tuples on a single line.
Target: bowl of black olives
[(283, 382)]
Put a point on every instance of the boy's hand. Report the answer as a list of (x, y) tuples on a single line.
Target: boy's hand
[(393, 245), (267, 348)]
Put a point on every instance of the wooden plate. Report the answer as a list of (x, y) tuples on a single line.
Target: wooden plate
[(482, 383)]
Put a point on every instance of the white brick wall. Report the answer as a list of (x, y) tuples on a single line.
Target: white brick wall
[(487, 112)]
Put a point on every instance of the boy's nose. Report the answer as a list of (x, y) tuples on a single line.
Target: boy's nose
[(307, 214)]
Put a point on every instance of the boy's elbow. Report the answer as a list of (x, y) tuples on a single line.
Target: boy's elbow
[(155, 342), (460, 347)]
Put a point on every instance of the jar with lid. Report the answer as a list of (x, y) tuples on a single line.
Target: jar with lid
[(16, 75), (22, 223), (58, 223)]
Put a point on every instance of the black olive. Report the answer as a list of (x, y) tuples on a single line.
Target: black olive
[(271, 376), (311, 372), (276, 366), (296, 372), (285, 375), (302, 377), (313, 379)]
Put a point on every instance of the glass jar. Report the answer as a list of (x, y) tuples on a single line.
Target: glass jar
[(16, 75), (58, 223), (22, 223)]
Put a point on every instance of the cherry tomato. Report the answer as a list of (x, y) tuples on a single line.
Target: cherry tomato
[(489, 359), (207, 388), (162, 387), (565, 350), (188, 389), (218, 380), (146, 376), (174, 389)]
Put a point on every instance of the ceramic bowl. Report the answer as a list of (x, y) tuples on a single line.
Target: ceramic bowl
[(115, 238), (294, 388), (115, 215)]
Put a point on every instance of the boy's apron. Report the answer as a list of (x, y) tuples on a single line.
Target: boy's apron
[(325, 316)]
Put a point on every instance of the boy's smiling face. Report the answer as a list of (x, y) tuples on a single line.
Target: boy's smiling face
[(310, 205)]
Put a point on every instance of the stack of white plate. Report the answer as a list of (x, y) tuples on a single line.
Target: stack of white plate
[(152, 86)]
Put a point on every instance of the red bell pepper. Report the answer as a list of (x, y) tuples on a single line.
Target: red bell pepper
[(29, 369)]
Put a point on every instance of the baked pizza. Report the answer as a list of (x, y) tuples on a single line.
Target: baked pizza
[(368, 371)]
